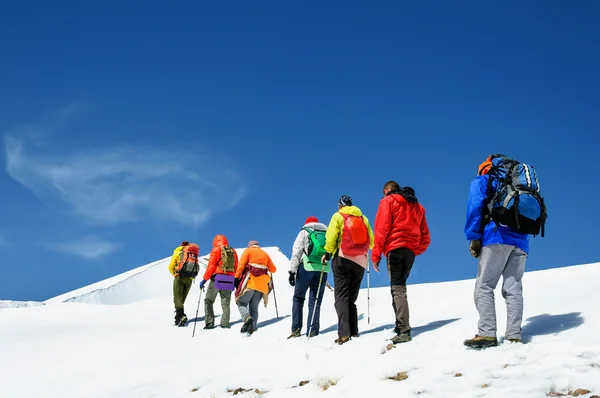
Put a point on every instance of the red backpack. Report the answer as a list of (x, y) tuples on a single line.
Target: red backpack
[(188, 261), (355, 236)]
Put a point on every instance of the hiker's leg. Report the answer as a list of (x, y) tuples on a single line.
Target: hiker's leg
[(341, 280), (243, 304), (225, 307), (209, 301), (254, 303), (492, 262), (302, 284), (512, 291), (314, 290), (187, 285), (400, 262), (357, 274), (177, 294)]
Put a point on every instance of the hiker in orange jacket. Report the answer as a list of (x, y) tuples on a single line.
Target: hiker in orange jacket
[(253, 283), (222, 263)]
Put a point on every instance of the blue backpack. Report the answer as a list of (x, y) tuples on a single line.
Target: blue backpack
[(516, 201)]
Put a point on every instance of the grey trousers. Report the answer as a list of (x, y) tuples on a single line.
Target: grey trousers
[(209, 301), (248, 305), (497, 261)]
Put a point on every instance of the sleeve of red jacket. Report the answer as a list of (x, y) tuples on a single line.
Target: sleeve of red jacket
[(425, 237), (212, 263), (383, 223)]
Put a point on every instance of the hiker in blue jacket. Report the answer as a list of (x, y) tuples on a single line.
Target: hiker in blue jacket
[(502, 252), (305, 275)]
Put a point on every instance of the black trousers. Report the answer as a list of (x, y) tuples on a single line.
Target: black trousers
[(400, 262), (347, 277)]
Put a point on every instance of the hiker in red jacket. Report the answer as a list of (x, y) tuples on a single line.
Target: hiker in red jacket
[(401, 233)]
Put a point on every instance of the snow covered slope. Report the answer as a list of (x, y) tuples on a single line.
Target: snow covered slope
[(78, 349), (18, 304), (148, 281)]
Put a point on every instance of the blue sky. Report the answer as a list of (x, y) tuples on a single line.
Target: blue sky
[(127, 128)]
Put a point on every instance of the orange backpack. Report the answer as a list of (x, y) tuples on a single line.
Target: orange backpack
[(188, 261), (355, 236)]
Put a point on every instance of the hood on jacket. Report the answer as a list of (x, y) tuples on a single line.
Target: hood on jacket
[(220, 240), (316, 226), (351, 210), (407, 193)]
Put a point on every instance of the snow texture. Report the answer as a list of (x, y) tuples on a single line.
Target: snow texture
[(82, 345)]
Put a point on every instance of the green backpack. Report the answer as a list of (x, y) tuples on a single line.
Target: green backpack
[(316, 250), (227, 259)]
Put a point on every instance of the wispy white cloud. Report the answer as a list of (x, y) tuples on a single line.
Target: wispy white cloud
[(89, 248), (127, 183)]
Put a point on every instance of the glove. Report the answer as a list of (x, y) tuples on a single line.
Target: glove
[(475, 248), (236, 282), (292, 279), (326, 257), (202, 284)]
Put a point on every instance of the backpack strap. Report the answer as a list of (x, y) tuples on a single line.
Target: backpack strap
[(310, 231), (489, 194)]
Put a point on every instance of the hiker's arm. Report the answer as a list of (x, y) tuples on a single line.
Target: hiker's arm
[(242, 264), (477, 195), (333, 233), (212, 263), (271, 266), (425, 236), (382, 229), (174, 261), (297, 250)]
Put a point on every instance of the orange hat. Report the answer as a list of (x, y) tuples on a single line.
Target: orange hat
[(485, 167)]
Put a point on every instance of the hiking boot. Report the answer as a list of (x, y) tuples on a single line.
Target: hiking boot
[(401, 338), (514, 340), (342, 340), (209, 326), (178, 315), (247, 323), (295, 333), (314, 333), (355, 335), (183, 320), (225, 327), (481, 342)]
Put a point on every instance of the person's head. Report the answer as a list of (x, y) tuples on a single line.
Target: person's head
[(253, 243), (184, 243), (485, 167), (220, 240), (311, 219), (344, 200), (390, 186)]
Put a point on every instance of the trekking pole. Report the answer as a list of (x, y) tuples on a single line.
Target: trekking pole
[(197, 309), (312, 318), (369, 292), (275, 297)]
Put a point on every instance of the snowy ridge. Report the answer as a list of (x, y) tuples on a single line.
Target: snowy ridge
[(19, 304), (58, 351), (141, 283)]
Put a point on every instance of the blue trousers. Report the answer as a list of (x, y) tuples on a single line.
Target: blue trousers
[(306, 280)]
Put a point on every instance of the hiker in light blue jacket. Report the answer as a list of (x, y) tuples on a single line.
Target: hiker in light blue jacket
[(306, 274), (502, 252)]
